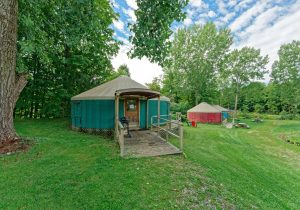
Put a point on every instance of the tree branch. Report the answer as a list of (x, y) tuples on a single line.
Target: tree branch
[(20, 83)]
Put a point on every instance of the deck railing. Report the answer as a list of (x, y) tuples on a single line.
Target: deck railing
[(120, 138), (166, 127)]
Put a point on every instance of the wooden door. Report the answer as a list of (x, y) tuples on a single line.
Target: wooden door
[(132, 111)]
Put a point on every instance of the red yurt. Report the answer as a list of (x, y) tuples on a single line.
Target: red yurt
[(204, 113)]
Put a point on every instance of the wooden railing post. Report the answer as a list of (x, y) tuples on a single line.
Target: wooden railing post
[(181, 135), (167, 133), (121, 141)]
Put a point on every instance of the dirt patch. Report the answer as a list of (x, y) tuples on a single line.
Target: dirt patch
[(14, 145)]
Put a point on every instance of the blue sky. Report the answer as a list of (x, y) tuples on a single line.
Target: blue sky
[(263, 24)]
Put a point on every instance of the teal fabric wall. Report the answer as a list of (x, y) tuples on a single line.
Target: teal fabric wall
[(164, 109), (100, 113), (94, 113), (143, 114), (224, 115)]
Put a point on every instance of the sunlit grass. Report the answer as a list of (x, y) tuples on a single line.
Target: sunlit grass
[(223, 168)]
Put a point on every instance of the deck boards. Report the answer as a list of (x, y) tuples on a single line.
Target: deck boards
[(145, 143)]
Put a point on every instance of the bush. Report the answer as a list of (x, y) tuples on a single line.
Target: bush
[(288, 116)]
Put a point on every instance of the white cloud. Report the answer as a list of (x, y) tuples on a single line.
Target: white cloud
[(269, 36), (198, 4), (132, 4), (119, 25), (141, 70), (243, 4), (187, 22), (222, 7), (232, 3), (200, 22), (114, 4), (190, 12), (246, 17), (227, 17), (124, 40), (261, 22), (211, 14), (130, 13)]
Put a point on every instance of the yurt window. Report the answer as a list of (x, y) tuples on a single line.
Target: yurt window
[(131, 105)]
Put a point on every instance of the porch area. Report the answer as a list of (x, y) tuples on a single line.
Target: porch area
[(154, 141), (151, 140), (147, 143)]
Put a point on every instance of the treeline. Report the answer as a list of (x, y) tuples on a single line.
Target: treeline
[(65, 47), (202, 67)]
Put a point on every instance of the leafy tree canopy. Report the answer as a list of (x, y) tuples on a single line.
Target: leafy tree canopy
[(195, 59), (66, 47), (152, 28), (155, 84), (124, 70), (242, 66)]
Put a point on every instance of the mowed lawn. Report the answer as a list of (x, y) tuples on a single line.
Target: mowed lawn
[(222, 168)]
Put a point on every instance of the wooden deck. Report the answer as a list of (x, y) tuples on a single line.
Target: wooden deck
[(145, 143)]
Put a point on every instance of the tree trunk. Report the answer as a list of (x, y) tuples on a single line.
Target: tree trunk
[(11, 84), (235, 108)]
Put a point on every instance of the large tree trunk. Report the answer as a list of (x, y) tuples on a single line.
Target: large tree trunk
[(11, 84), (235, 108)]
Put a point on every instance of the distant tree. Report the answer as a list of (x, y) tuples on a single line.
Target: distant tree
[(195, 59), (253, 94), (241, 67), (152, 29), (123, 70), (273, 98), (155, 84), (286, 76)]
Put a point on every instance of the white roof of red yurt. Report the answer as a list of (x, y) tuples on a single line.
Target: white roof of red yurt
[(222, 109), (204, 108)]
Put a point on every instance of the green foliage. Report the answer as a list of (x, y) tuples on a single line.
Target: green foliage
[(253, 95), (258, 108), (180, 107), (286, 76), (242, 66), (124, 70), (152, 28), (66, 47), (284, 115), (194, 61), (155, 84)]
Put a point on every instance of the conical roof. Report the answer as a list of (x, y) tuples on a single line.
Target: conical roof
[(204, 108), (108, 89), (222, 109)]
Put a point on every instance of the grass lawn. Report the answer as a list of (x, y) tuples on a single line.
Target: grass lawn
[(223, 168)]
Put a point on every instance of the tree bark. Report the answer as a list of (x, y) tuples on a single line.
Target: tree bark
[(235, 108), (11, 83)]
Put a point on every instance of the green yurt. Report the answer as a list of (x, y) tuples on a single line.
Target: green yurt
[(95, 109)]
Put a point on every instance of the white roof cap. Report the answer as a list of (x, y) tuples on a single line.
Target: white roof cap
[(204, 108)]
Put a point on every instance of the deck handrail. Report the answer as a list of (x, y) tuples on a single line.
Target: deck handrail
[(166, 126), (121, 138)]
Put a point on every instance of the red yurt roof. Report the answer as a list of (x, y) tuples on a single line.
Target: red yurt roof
[(204, 108)]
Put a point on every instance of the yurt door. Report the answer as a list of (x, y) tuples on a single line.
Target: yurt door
[(132, 111)]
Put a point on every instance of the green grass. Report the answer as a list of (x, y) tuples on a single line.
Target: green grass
[(223, 168)]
